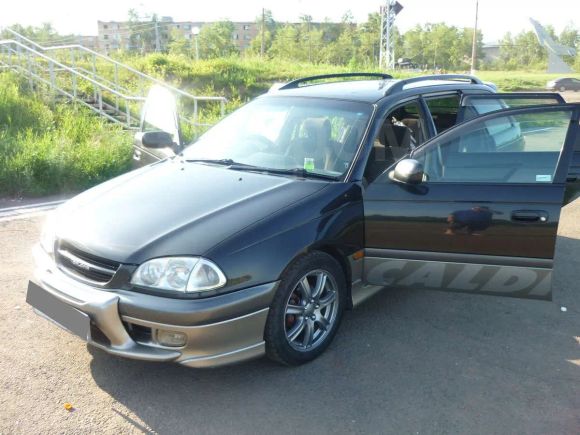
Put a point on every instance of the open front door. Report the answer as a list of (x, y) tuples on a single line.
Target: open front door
[(485, 218), (159, 136)]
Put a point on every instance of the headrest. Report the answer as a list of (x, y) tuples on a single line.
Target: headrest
[(318, 129), (394, 135)]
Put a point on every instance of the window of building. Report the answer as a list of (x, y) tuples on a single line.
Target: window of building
[(105, 36), (105, 26), (246, 27), (247, 37), (236, 36)]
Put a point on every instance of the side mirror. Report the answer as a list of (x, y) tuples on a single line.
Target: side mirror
[(155, 139), (408, 171)]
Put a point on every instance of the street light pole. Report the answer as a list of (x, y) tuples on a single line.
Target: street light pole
[(474, 42)]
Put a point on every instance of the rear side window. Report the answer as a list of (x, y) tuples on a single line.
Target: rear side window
[(443, 111), (474, 106), (521, 148)]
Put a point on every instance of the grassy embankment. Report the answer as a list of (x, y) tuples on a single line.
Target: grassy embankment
[(47, 148)]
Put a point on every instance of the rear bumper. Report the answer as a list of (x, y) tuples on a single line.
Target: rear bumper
[(219, 330)]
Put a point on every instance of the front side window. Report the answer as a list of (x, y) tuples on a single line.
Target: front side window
[(319, 135), (402, 130), (520, 148)]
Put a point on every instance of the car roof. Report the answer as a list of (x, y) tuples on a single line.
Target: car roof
[(371, 91)]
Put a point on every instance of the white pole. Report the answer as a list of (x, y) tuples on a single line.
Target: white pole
[(474, 42)]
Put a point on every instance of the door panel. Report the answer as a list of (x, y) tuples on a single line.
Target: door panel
[(457, 276), (486, 224)]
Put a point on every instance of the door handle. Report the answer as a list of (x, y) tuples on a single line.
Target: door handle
[(530, 216)]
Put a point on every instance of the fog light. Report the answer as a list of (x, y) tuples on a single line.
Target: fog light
[(171, 338)]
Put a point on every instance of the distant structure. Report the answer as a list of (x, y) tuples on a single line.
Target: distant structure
[(555, 50), (389, 12), (116, 35)]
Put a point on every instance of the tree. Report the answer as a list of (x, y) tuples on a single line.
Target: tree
[(522, 51), (142, 36), (439, 46), (270, 27), (216, 40), (570, 37), (43, 34), (179, 44), (287, 44)]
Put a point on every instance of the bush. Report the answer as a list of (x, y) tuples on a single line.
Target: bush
[(48, 149)]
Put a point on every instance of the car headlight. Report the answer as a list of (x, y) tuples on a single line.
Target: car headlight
[(48, 235), (183, 274)]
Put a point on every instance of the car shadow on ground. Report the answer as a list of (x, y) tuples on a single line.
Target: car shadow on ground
[(405, 361)]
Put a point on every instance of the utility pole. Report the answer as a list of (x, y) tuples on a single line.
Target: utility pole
[(309, 42), (157, 42), (389, 11), (263, 23), (474, 42)]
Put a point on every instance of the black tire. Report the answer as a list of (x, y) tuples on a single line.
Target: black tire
[(278, 347)]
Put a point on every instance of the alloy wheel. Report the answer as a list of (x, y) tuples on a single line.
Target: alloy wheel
[(311, 310)]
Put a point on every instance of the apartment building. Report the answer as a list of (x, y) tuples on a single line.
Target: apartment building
[(123, 35)]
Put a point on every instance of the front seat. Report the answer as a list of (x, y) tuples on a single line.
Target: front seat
[(396, 139)]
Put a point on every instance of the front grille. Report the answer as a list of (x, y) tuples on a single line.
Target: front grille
[(85, 266)]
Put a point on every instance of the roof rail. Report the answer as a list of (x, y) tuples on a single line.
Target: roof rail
[(295, 83), (399, 85)]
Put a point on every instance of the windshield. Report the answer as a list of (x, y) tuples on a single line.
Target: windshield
[(284, 133)]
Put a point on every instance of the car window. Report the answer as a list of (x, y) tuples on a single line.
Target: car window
[(320, 135), (402, 130), (443, 111), (474, 106), (521, 148)]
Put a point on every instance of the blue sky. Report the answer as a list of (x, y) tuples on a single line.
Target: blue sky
[(496, 16)]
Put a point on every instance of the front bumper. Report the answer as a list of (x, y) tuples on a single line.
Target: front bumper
[(219, 330)]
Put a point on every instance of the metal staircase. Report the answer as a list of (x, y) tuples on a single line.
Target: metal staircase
[(110, 88)]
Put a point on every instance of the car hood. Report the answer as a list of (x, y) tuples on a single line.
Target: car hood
[(173, 208)]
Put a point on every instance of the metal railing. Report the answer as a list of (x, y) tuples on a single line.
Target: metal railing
[(80, 74)]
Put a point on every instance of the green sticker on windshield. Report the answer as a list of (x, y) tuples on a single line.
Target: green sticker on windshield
[(308, 163)]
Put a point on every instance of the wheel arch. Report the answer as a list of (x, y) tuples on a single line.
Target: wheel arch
[(339, 255)]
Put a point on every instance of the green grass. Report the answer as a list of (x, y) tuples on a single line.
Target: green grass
[(243, 78), (60, 148), (509, 81)]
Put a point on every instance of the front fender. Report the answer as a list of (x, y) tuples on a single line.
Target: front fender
[(331, 219)]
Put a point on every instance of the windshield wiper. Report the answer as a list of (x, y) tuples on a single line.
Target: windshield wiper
[(298, 172), (232, 164), (226, 162)]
